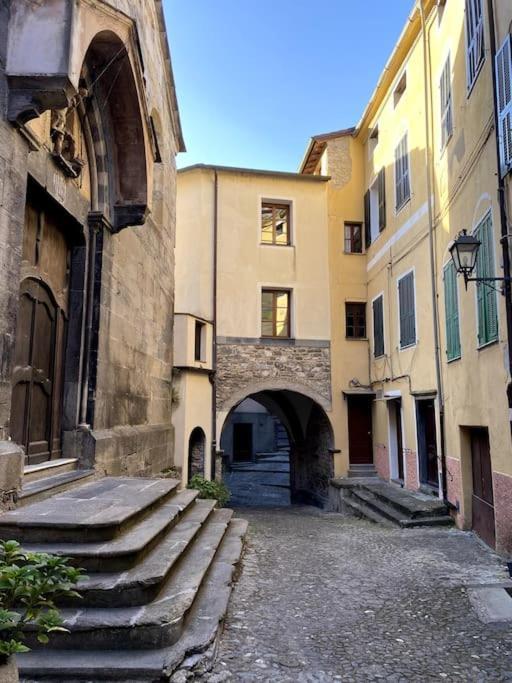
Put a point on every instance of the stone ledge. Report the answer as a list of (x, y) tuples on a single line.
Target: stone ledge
[(12, 460)]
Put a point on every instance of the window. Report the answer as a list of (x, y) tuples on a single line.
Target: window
[(355, 321), (504, 104), (199, 345), (378, 326), (445, 91), (353, 238), (400, 88), (486, 294), (373, 140), (474, 40), (407, 310), (402, 182), (375, 208), (275, 224), (275, 313), (451, 305)]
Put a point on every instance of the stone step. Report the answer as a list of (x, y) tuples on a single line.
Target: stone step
[(98, 511), (127, 549), (140, 584), (357, 471), (44, 487), (359, 509), (46, 469), (202, 627), (412, 505), (155, 625), (390, 513)]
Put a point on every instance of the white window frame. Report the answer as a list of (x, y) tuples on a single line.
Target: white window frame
[(445, 101), (475, 47), (405, 199), (398, 280)]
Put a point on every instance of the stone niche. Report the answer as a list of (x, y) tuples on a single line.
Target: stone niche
[(51, 46)]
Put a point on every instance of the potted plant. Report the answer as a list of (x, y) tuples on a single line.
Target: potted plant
[(30, 585)]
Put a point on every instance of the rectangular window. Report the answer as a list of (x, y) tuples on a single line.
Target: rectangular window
[(402, 181), (504, 104), (407, 310), (451, 305), (275, 313), (353, 238), (474, 40), (400, 88), (486, 294), (378, 326), (445, 91), (275, 224), (199, 346), (375, 208), (355, 320)]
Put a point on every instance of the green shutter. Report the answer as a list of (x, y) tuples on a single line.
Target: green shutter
[(382, 199), (451, 303), (406, 310), (378, 327), (486, 293)]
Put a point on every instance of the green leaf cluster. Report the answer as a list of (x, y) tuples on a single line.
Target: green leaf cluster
[(210, 489), (30, 586)]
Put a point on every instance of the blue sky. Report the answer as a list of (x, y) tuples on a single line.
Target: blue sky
[(256, 78)]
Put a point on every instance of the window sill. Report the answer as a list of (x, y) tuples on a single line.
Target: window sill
[(355, 339), (268, 244), (486, 345), (444, 147), (379, 357), (454, 359), (408, 346), (475, 79), (398, 209), (353, 253)]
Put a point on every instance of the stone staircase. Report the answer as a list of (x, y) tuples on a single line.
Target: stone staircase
[(387, 504), (47, 478), (361, 471), (160, 564)]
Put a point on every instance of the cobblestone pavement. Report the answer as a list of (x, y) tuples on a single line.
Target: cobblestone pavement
[(323, 597)]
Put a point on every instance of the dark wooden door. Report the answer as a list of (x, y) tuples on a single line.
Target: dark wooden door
[(397, 408), (242, 442), (427, 442), (483, 497), (36, 408), (360, 443)]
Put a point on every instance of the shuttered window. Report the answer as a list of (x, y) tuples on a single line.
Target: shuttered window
[(406, 310), (486, 294), (378, 326), (367, 218), (474, 39), (504, 103), (451, 304), (402, 182), (445, 92), (382, 199)]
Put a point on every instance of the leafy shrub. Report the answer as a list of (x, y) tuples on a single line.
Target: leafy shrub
[(210, 489), (30, 583)]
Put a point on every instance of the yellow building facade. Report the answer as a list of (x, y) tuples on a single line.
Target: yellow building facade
[(418, 364)]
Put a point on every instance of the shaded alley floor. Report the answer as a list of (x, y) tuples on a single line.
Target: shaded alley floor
[(323, 597), (265, 483)]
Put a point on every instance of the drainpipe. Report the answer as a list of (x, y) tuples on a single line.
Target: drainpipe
[(503, 209), (433, 274), (213, 376)]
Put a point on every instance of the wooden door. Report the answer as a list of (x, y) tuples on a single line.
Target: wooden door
[(483, 497), (242, 442), (427, 442), (360, 443), (36, 408)]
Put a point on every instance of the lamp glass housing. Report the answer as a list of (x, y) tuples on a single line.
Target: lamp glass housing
[(464, 253)]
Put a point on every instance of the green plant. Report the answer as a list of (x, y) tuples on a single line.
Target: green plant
[(30, 583), (210, 489)]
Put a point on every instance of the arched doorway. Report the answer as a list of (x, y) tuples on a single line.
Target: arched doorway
[(310, 447), (196, 452)]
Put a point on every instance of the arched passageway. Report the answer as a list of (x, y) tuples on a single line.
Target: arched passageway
[(298, 453), (196, 452)]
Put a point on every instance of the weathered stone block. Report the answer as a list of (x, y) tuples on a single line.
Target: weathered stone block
[(12, 458)]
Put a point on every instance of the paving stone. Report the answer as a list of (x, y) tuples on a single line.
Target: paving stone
[(325, 597)]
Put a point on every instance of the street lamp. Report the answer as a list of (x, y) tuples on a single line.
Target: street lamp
[(464, 253)]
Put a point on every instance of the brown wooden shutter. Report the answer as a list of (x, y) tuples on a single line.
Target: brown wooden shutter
[(367, 228), (382, 199)]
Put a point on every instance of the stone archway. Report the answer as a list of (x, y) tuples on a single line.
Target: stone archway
[(311, 439), (196, 452)]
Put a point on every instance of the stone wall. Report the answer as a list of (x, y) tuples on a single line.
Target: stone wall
[(247, 366), (311, 461)]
